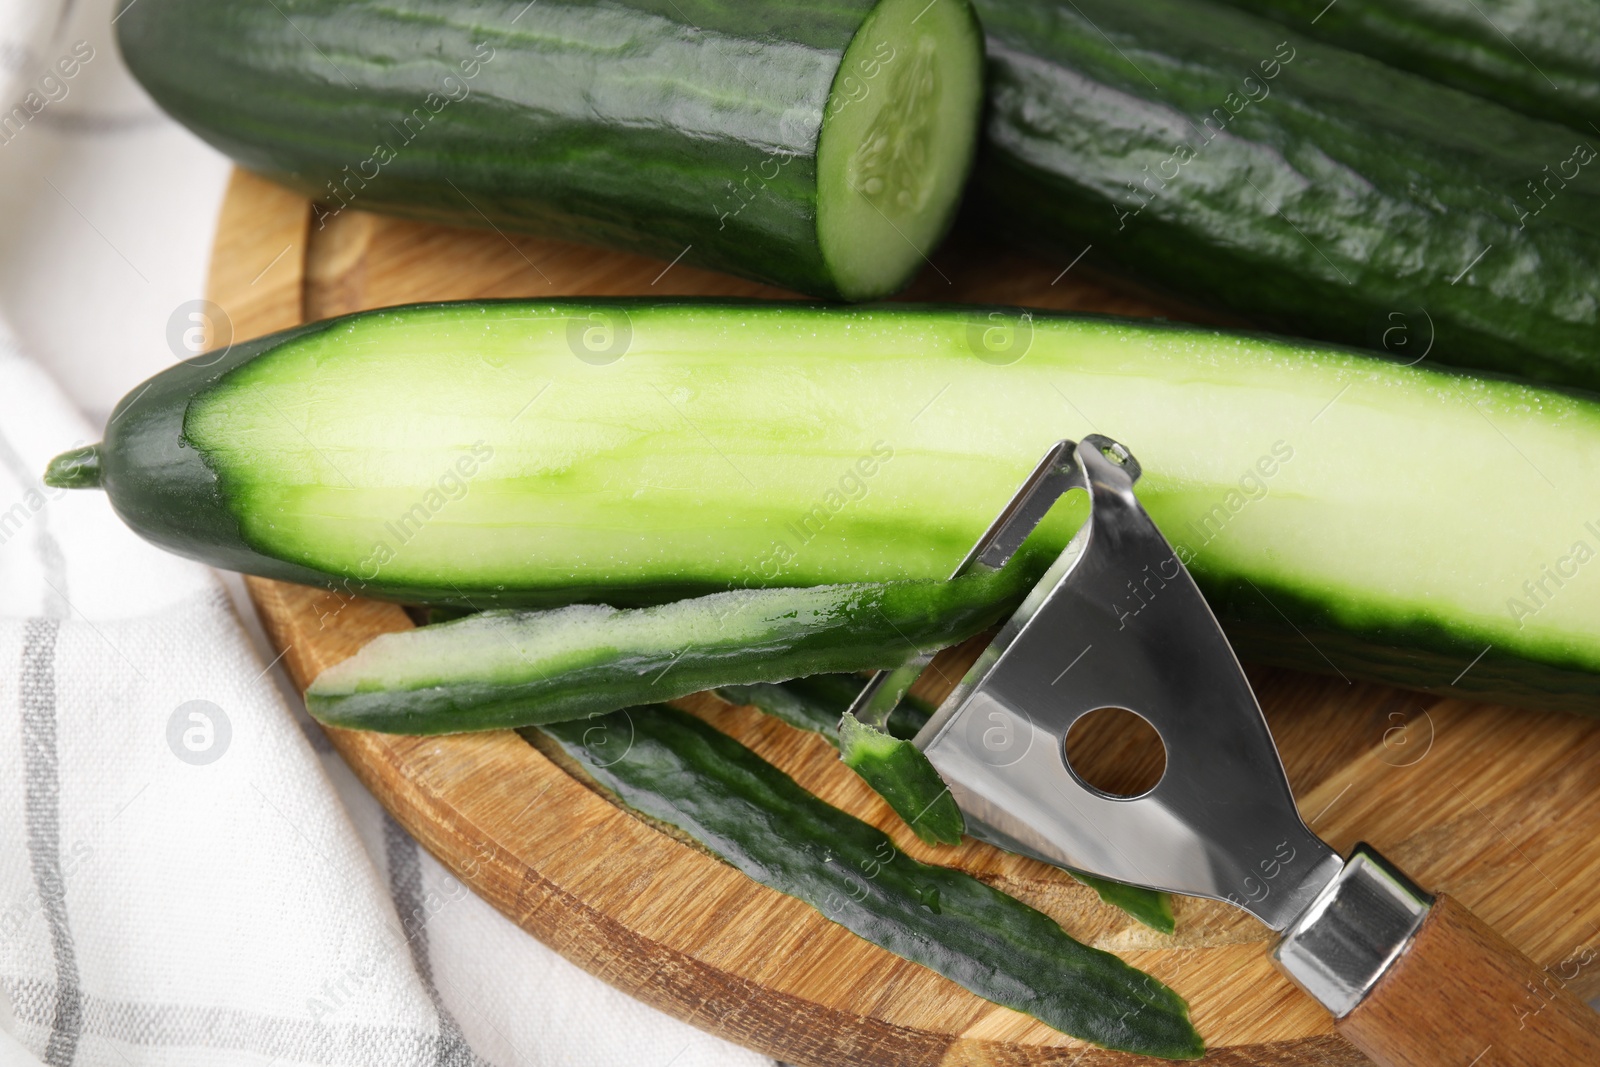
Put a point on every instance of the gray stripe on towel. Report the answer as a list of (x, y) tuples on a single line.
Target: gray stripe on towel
[(294, 1040), (405, 887), (42, 800)]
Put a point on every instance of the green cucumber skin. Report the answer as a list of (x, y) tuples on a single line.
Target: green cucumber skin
[(1542, 59), (163, 488), (708, 96), (798, 708), (897, 771), (489, 672), (815, 703), (1150, 907), (789, 395), (676, 768), (1349, 201), (818, 703)]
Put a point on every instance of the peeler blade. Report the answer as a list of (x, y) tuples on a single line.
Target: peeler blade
[(1117, 622)]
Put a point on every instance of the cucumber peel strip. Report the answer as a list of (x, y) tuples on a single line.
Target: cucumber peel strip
[(815, 704), (886, 760), (511, 668), (898, 771), (1149, 906), (673, 767)]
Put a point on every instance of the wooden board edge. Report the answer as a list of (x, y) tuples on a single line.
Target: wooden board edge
[(280, 303)]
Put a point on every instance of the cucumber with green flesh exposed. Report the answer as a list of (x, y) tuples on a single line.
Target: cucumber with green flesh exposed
[(1407, 524), (674, 767), (1212, 152), (820, 146), (1541, 58)]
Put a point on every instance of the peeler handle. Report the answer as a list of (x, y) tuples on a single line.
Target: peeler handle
[(1419, 981), (1461, 996)]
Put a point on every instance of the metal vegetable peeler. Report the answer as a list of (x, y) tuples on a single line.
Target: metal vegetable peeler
[(1413, 980)]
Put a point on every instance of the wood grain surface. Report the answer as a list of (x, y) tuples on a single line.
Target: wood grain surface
[(1493, 805), (1462, 995)]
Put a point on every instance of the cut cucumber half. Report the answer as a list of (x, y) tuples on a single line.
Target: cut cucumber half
[(1339, 511), (896, 142)]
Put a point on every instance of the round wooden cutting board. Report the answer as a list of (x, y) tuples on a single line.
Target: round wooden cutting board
[(1496, 806)]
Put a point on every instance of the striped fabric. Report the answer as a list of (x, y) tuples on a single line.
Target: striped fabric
[(188, 875)]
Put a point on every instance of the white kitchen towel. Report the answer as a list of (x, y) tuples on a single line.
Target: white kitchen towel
[(188, 874)]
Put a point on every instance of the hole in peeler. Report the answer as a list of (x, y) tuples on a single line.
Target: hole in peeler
[(1116, 752), (1115, 453)]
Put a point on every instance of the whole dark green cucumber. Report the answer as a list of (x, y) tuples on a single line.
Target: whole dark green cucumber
[(1542, 58), (1339, 511), (1208, 151), (820, 146), (674, 767)]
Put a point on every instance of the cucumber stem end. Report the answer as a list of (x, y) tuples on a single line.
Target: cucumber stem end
[(77, 469)]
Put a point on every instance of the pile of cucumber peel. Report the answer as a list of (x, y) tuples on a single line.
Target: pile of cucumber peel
[(770, 828), (608, 504)]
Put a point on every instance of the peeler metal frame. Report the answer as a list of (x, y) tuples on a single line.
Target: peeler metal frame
[(1118, 622)]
